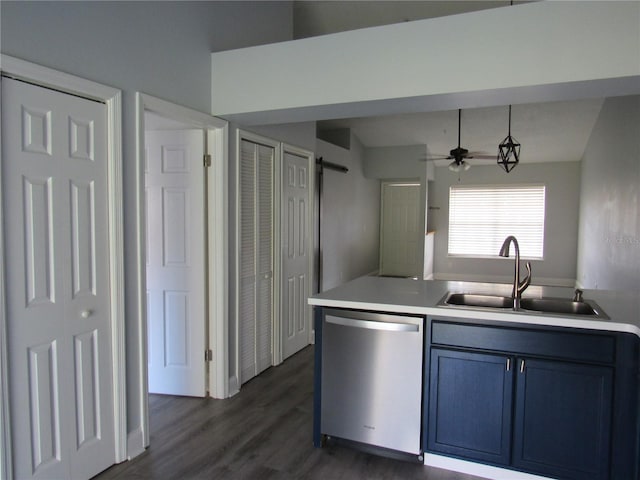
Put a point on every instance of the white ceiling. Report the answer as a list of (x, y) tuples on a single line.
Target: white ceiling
[(548, 132)]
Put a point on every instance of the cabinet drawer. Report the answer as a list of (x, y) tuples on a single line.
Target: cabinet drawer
[(556, 343)]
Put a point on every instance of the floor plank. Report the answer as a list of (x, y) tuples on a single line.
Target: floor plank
[(264, 432)]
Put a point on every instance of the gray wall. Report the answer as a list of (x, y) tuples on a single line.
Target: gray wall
[(402, 163), (562, 180), (609, 247), (351, 216), (158, 48), (301, 135)]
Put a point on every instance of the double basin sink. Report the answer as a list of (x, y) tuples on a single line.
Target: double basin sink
[(554, 306)]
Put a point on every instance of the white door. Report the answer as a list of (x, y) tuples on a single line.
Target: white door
[(400, 252), (296, 281), (54, 173), (255, 293), (176, 262)]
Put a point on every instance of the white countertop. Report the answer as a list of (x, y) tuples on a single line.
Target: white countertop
[(402, 295)]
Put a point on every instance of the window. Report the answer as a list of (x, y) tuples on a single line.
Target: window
[(481, 217)]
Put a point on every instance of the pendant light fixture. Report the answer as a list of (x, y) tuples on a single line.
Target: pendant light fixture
[(509, 150)]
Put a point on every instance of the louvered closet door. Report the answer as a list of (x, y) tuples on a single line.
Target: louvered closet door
[(264, 260), (255, 313)]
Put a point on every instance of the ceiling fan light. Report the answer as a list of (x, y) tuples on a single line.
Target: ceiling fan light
[(458, 165), (508, 153)]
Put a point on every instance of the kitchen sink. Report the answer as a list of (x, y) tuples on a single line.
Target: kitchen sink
[(547, 305), (477, 300), (557, 305)]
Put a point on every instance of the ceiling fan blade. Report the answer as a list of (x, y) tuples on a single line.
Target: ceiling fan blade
[(484, 157), (431, 158)]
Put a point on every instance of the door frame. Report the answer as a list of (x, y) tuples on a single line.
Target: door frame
[(112, 98), (216, 136)]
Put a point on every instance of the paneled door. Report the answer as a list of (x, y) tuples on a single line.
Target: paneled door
[(176, 261), (400, 235), (295, 238), (54, 174)]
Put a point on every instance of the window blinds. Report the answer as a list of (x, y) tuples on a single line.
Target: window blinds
[(481, 217)]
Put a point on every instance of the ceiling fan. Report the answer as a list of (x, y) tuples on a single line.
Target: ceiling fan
[(460, 155)]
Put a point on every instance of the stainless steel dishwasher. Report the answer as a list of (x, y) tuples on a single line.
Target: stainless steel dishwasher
[(371, 390)]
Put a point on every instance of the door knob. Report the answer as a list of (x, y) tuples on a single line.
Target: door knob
[(85, 313)]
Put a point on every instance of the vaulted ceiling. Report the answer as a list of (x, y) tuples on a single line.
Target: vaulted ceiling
[(321, 17), (548, 132), (555, 131)]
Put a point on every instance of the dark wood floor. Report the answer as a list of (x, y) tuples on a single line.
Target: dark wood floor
[(264, 432)]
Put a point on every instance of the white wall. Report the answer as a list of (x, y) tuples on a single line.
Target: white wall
[(528, 53), (609, 247), (351, 216), (562, 182), (159, 48)]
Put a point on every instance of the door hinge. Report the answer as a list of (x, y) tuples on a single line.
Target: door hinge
[(207, 160), (208, 355)]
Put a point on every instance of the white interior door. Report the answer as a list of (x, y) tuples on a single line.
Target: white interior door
[(295, 238), (54, 175), (255, 266), (176, 261), (400, 252)]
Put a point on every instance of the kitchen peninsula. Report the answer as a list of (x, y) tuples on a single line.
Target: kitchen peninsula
[(504, 394)]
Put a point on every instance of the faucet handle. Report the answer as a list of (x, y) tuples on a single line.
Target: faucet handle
[(522, 285)]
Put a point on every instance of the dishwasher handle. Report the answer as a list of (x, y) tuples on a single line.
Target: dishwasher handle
[(373, 324)]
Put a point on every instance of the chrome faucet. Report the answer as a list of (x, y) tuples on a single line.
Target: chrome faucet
[(518, 286)]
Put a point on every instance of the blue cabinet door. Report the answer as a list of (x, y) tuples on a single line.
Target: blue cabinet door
[(563, 419), (470, 399)]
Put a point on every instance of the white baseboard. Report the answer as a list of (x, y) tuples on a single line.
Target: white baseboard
[(234, 386), (135, 443), (478, 469)]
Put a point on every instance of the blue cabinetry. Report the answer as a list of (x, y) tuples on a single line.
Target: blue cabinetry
[(544, 400), (563, 419), (470, 405)]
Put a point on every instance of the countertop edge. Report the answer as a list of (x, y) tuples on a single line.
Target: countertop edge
[(452, 312)]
